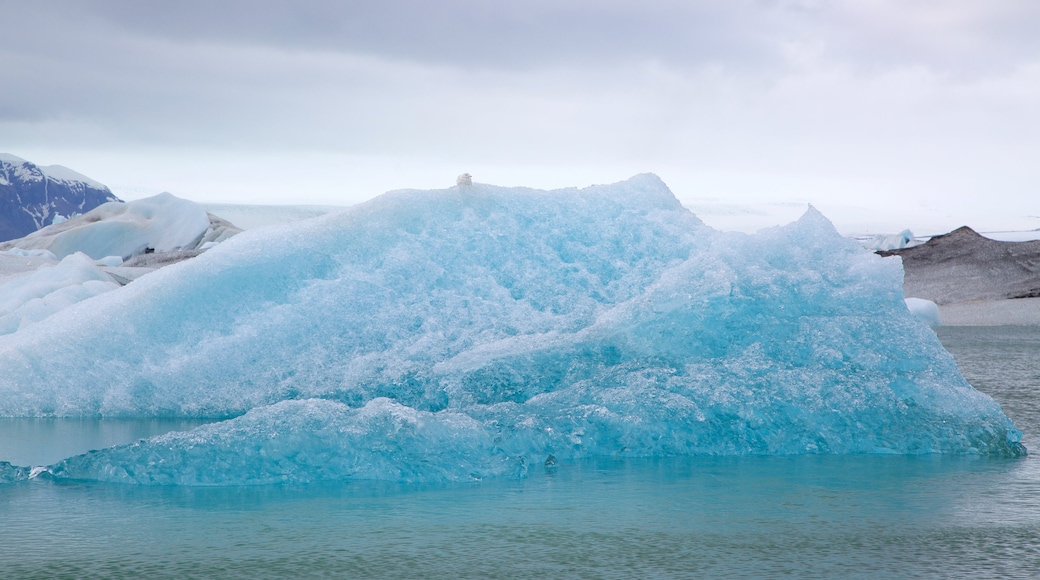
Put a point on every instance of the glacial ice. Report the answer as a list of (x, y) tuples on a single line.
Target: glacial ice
[(33, 296), (903, 239), (12, 473), (307, 441), (924, 310), (161, 222), (470, 332)]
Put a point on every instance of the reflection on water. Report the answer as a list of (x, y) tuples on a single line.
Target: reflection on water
[(817, 516)]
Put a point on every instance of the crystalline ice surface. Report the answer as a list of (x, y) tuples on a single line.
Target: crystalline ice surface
[(470, 332)]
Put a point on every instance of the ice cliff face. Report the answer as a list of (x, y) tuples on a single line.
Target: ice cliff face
[(31, 196), (471, 332)]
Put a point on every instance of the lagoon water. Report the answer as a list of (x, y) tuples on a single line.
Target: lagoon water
[(804, 516)]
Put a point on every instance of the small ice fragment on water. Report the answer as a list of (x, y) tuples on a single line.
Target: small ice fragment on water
[(924, 310)]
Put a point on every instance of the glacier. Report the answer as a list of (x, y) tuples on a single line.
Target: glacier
[(476, 331)]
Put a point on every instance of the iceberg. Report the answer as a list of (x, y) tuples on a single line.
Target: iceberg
[(12, 473), (78, 258), (473, 331), (304, 442), (34, 296), (924, 310), (904, 239), (160, 223)]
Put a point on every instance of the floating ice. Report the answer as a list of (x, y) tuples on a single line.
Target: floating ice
[(12, 473), (306, 441), (35, 295), (110, 261), (46, 254), (903, 239), (924, 310), (160, 223), (464, 333)]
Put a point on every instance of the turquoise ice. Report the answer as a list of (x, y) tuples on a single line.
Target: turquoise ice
[(478, 331)]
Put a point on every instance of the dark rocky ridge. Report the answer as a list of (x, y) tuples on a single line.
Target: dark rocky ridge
[(30, 196), (963, 266)]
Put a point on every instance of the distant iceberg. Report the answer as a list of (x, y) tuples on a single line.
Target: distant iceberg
[(111, 245), (160, 223), (474, 331), (904, 239)]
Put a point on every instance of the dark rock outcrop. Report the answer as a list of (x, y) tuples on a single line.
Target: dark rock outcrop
[(31, 196), (963, 265)]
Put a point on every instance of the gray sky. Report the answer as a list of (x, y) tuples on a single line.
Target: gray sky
[(906, 109)]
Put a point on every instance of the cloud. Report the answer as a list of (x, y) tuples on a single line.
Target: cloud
[(947, 35), (473, 33), (878, 95)]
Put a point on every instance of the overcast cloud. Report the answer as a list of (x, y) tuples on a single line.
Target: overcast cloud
[(929, 105)]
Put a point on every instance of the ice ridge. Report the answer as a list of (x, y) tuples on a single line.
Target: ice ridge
[(469, 332)]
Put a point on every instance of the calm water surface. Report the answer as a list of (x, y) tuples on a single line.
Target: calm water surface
[(798, 517)]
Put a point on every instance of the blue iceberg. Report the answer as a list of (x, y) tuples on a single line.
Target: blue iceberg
[(12, 473), (470, 332)]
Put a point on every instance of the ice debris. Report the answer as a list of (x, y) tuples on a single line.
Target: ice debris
[(464, 333)]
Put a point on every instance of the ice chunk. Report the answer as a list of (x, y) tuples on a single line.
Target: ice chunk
[(32, 297), (45, 254), (571, 323), (903, 239), (925, 310), (159, 223), (110, 261), (307, 441), (12, 473)]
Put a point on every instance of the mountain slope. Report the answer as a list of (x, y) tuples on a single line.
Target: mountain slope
[(31, 196)]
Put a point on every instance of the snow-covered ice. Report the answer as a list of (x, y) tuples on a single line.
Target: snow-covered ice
[(160, 223), (30, 298), (925, 310), (70, 261), (474, 331), (884, 242)]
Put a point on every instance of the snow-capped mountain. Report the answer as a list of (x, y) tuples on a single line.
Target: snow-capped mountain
[(32, 196)]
